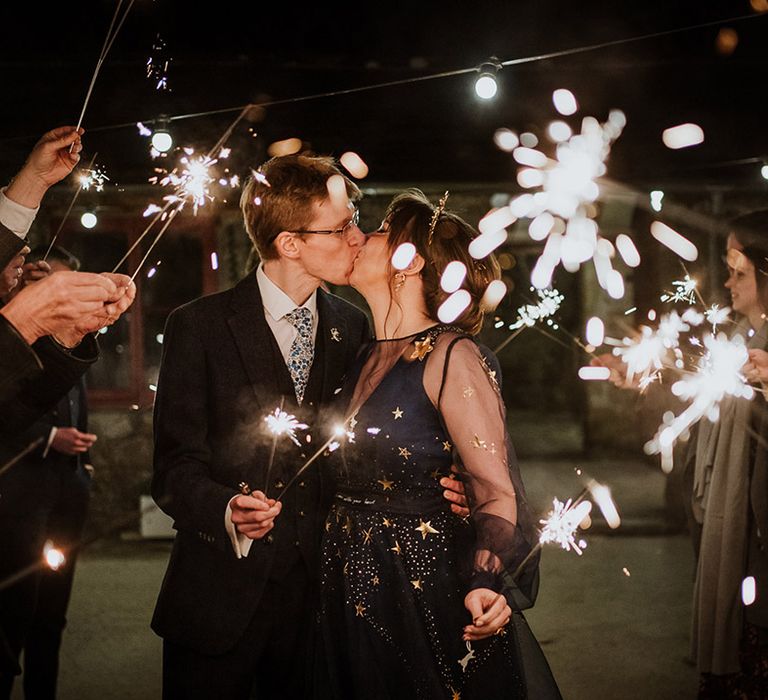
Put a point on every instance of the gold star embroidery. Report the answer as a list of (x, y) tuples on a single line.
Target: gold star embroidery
[(447, 447), (359, 609), (425, 528), (422, 348), (375, 580), (404, 452), (477, 442), (386, 484), (417, 585), (367, 535), (387, 522), (456, 695), (346, 568), (468, 391), (435, 474), (327, 525), (397, 413), (396, 549), (348, 525)]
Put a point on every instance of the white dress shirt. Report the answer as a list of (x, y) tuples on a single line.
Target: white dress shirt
[(276, 305), (16, 217)]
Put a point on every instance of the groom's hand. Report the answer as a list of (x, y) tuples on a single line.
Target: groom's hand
[(454, 492), (254, 515)]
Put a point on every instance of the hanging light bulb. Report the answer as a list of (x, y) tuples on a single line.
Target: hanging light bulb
[(89, 219), (162, 140), (764, 171), (486, 86)]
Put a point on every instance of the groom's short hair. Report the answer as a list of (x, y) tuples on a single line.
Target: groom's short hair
[(280, 194)]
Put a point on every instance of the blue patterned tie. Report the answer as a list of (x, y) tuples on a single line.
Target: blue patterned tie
[(302, 350)]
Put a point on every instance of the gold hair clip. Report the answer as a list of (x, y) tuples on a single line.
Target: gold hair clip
[(435, 216)]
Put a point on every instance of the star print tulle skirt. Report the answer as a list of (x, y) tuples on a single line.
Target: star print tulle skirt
[(392, 613)]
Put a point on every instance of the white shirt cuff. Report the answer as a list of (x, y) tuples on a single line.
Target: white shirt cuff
[(16, 217), (240, 543), (51, 435)]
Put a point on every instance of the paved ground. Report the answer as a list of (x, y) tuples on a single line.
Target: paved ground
[(613, 622)]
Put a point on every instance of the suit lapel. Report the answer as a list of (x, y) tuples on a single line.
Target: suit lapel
[(255, 343), (332, 334)]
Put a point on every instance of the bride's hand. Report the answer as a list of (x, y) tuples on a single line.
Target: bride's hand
[(455, 493), (489, 611)]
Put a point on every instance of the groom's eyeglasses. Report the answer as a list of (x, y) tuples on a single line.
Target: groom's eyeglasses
[(341, 232)]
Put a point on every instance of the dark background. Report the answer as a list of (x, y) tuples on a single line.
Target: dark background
[(226, 54)]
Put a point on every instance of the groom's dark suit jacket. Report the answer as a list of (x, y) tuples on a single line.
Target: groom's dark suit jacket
[(222, 372)]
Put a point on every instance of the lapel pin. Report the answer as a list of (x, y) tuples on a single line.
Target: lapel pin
[(335, 335)]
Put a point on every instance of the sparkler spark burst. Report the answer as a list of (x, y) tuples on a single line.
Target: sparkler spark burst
[(562, 522), (717, 376), (716, 316), (685, 290), (157, 64), (54, 558), (562, 210), (282, 423), (645, 355), (93, 177), (549, 304)]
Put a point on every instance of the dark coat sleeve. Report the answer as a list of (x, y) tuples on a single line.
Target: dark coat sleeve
[(181, 483), (10, 245), (40, 379)]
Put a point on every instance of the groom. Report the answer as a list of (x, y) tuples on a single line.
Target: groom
[(236, 606)]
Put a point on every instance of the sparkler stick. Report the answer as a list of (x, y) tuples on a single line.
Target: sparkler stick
[(142, 236), (69, 209), (29, 448), (155, 242), (326, 445), (108, 41)]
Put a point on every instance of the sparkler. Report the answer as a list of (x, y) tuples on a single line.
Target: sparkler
[(684, 290), (718, 375), (157, 64), (112, 33), (87, 178), (529, 315), (280, 423), (54, 558), (561, 524)]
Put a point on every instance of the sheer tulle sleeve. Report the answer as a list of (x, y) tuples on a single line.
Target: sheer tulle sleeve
[(462, 385)]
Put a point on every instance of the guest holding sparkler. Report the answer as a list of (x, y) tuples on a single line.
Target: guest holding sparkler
[(726, 479), (416, 603)]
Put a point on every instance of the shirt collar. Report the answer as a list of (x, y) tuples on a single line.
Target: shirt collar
[(276, 302)]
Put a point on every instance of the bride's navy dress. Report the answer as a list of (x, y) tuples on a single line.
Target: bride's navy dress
[(397, 563)]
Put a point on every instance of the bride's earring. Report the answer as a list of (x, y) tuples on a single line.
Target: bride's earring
[(399, 281)]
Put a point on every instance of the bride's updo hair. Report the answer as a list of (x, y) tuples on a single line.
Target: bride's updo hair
[(409, 217)]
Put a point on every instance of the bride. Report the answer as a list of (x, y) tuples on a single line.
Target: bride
[(416, 602)]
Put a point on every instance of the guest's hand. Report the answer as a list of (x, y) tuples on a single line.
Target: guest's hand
[(70, 441), (34, 271), (490, 612), (756, 368), (12, 272), (60, 303), (454, 492), (254, 515), (49, 162)]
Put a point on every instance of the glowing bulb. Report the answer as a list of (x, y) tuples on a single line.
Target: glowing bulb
[(564, 102), (656, 200), (453, 276), (764, 171), (454, 306), (683, 136), (403, 256), (162, 141), (88, 219), (506, 140), (486, 87), (595, 331)]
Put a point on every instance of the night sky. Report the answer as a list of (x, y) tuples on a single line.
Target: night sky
[(227, 54)]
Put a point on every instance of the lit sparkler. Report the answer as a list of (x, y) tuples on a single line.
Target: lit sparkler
[(684, 290), (562, 522), (718, 375), (281, 423), (530, 314), (93, 177), (54, 558)]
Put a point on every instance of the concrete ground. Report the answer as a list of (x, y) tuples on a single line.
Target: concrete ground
[(612, 622)]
